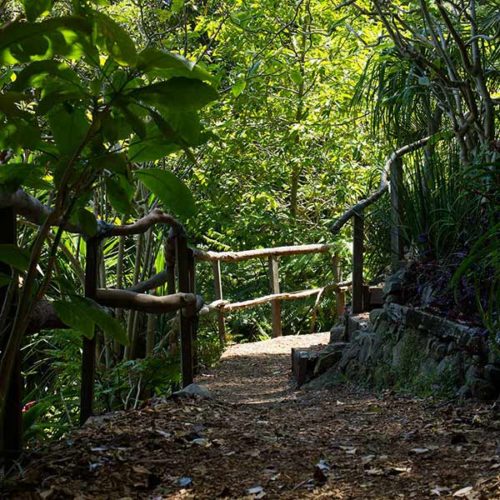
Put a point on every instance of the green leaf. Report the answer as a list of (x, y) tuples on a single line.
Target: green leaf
[(172, 65), (18, 134), (177, 93), (296, 76), (155, 145), (69, 127), (67, 36), (36, 73), (120, 193), (15, 257), (87, 221), (109, 325), (83, 314), (15, 175), (115, 40), (35, 8), (170, 190), (238, 87), (75, 317)]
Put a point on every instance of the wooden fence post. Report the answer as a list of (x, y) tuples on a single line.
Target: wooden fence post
[(275, 288), (11, 430), (357, 263), (89, 345), (170, 250), (187, 315), (396, 209), (339, 294), (219, 296)]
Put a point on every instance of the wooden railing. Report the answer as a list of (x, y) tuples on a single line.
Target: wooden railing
[(177, 255), (184, 299), (222, 307)]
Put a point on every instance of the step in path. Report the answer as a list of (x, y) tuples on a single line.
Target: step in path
[(259, 438)]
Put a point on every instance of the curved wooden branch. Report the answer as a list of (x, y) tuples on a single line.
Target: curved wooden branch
[(153, 282), (33, 209), (36, 212), (157, 216), (384, 185), (125, 299), (260, 253)]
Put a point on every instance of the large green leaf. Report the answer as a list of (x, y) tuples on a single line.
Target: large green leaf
[(109, 325), (178, 93), (87, 222), (155, 145), (18, 133), (115, 40), (83, 314), (36, 73), (75, 317), (15, 257), (120, 193), (170, 190), (15, 175), (170, 65), (69, 127), (67, 36)]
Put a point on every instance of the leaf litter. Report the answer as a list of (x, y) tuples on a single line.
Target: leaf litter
[(259, 438)]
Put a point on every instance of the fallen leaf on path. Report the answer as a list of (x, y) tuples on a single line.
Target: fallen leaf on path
[(463, 492), (257, 492)]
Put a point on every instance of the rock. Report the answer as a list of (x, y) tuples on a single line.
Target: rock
[(451, 365), (337, 334), (492, 374), (472, 373), (464, 392), (193, 391), (366, 341), (377, 315), (349, 354), (394, 284), (355, 323), (428, 368), (329, 357), (452, 347), (482, 389)]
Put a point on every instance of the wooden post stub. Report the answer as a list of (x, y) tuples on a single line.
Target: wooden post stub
[(89, 345), (357, 263), (275, 288), (188, 318), (396, 211), (340, 303), (219, 296)]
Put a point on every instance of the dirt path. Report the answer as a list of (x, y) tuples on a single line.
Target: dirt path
[(258, 438)]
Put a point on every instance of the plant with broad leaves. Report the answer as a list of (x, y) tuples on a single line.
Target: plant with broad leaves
[(81, 106)]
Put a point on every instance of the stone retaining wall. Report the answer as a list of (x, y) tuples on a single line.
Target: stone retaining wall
[(409, 349)]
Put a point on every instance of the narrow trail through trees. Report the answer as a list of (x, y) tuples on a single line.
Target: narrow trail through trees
[(260, 438)]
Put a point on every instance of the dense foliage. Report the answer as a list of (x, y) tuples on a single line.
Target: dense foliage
[(256, 124)]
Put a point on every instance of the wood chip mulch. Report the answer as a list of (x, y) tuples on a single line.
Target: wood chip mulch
[(259, 438)]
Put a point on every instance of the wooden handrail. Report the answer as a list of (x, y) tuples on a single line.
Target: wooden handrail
[(227, 306), (260, 253), (126, 299), (384, 185)]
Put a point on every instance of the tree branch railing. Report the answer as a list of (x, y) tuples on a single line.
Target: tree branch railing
[(135, 298), (390, 180), (222, 307)]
